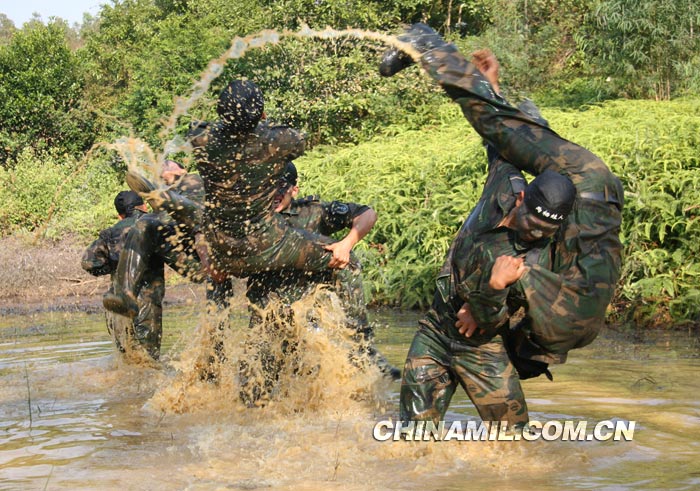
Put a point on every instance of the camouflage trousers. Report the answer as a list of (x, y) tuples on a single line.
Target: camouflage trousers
[(273, 246), (435, 365)]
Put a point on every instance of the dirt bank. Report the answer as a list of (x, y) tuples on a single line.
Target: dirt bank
[(45, 275)]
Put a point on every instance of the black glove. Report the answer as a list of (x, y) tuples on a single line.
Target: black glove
[(421, 36)]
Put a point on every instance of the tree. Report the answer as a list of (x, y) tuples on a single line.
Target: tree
[(41, 83), (650, 45), (7, 28)]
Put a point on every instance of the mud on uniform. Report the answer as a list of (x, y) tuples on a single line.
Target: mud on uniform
[(241, 175), (101, 258), (440, 357), (567, 301)]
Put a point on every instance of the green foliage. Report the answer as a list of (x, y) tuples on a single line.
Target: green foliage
[(41, 83), (28, 189), (650, 44), (42, 192)]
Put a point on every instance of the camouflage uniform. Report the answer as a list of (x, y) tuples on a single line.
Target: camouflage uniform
[(157, 239), (241, 175), (567, 300), (290, 285), (440, 357), (325, 219), (101, 258)]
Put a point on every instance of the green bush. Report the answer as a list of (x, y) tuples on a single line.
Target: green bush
[(424, 183), (55, 196)]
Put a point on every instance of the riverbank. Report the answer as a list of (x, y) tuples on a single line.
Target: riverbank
[(45, 275)]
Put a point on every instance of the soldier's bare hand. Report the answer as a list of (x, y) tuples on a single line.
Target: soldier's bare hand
[(465, 322), (506, 271), (487, 63), (341, 254)]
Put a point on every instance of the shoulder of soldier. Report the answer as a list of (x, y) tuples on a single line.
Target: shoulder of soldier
[(198, 132), (312, 199)]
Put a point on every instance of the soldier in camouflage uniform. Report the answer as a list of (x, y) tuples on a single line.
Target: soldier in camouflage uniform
[(509, 220), (157, 239), (325, 218), (102, 258), (567, 300), (504, 222), (241, 160)]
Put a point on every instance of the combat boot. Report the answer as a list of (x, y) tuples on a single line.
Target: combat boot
[(421, 36), (138, 183)]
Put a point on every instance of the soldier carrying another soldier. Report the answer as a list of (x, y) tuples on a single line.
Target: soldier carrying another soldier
[(567, 298)]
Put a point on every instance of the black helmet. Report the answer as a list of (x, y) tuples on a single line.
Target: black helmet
[(126, 201), (241, 106), (550, 197)]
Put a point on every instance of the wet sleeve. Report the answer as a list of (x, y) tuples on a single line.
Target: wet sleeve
[(96, 257)]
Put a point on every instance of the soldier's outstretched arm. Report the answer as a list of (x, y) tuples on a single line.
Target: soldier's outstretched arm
[(361, 225), (95, 259)]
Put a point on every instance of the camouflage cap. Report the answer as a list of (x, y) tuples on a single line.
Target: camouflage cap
[(550, 197)]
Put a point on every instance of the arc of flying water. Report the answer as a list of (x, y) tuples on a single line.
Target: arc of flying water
[(238, 48), (137, 154)]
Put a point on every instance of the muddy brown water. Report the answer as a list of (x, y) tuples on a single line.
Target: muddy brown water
[(72, 416)]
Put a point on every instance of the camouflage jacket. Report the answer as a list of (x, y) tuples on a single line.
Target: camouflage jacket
[(182, 203), (312, 215), (241, 174), (567, 300), (102, 256), (465, 274)]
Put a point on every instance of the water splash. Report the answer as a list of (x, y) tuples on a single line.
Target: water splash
[(317, 363), (239, 47)]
